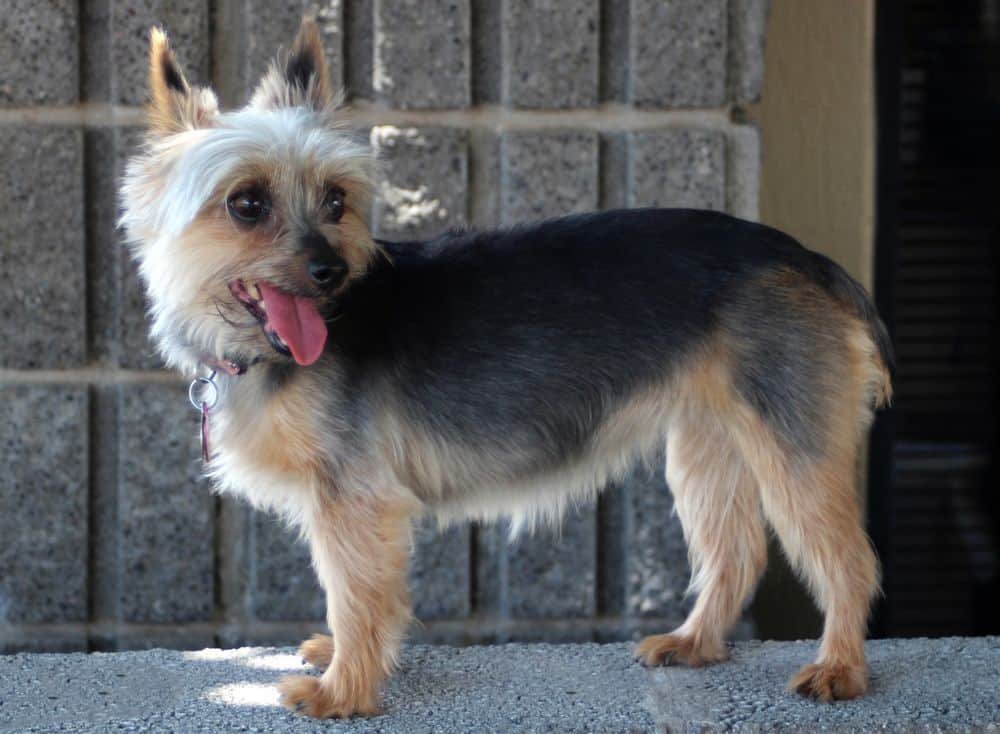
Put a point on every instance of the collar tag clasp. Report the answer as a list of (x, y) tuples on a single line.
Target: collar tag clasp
[(203, 394)]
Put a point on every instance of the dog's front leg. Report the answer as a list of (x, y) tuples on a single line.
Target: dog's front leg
[(360, 549)]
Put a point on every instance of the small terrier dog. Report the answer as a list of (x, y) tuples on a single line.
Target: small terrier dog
[(361, 383)]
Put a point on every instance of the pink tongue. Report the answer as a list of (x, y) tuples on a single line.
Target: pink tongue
[(296, 321)]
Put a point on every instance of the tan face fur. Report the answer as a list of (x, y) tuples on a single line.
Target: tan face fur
[(182, 197)]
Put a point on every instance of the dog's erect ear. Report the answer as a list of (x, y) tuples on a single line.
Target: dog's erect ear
[(302, 80), (175, 105)]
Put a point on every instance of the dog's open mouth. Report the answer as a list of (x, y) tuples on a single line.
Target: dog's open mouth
[(292, 324)]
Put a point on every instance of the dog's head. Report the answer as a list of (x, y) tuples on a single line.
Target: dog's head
[(247, 225)]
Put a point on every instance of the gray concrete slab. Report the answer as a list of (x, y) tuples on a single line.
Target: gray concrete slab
[(918, 686)]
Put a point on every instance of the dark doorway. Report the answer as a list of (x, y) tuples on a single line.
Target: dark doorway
[(934, 503)]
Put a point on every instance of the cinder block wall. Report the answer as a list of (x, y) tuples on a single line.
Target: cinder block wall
[(484, 113)]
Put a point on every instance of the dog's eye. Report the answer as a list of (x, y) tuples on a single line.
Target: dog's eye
[(249, 207), (333, 204)]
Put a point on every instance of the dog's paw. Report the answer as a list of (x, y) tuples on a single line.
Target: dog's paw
[(676, 648), (317, 651), (830, 681), (306, 695)]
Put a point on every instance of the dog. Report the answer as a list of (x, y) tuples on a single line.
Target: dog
[(359, 383)]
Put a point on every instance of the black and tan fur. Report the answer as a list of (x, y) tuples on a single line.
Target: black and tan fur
[(507, 372)]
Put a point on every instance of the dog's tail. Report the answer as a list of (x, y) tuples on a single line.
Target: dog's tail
[(855, 298)]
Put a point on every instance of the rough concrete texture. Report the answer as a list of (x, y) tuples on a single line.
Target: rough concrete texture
[(119, 328), (551, 53), (39, 52), (116, 45), (546, 574), (486, 42), (656, 563), (918, 685), (677, 168), (547, 174), (43, 551), (551, 573), (440, 571), (742, 172), (422, 55), (479, 689), (270, 27), (423, 185), (946, 685), (677, 53), (747, 23), (42, 248), (165, 509), (283, 583)]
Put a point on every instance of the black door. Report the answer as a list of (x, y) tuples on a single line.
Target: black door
[(933, 489)]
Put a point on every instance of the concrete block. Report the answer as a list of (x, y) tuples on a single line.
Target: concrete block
[(116, 45), (118, 323), (484, 179), (183, 637), (359, 52), (43, 302), (677, 168), (487, 24), (743, 172), (266, 28), (919, 685), (550, 53), (548, 174), (39, 53), (166, 512), (677, 53), (655, 554), (614, 66), (440, 573), (283, 583), (422, 54), (43, 492), (747, 26), (553, 572), (614, 170), (59, 638), (424, 184)]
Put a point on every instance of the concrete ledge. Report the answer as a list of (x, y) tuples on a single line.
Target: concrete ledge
[(918, 686)]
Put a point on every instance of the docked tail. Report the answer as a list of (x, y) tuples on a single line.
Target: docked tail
[(852, 294)]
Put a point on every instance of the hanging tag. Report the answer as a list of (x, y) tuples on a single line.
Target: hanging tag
[(203, 394)]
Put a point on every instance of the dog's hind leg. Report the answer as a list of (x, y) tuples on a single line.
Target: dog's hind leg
[(719, 508), (814, 511), (809, 497)]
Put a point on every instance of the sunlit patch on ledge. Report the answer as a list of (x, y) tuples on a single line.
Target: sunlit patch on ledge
[(277, 661), (244, 694), (217, 655)]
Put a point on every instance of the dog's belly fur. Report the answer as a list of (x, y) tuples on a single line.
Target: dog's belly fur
[(503, 373)]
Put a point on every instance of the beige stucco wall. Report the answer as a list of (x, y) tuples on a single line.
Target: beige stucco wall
[(817, 117), (817, 121)]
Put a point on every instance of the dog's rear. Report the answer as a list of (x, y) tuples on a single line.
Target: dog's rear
[(768, 431)]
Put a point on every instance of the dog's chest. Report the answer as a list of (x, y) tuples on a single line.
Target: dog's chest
[(266, 447)]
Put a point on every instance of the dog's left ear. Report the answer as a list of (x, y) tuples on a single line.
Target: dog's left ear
[(302, 80), (175, 105)]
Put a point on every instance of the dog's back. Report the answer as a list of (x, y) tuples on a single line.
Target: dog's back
[(521, 345)]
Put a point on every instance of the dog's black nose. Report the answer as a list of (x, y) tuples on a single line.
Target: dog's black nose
[(326, 268), (328, 271)]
